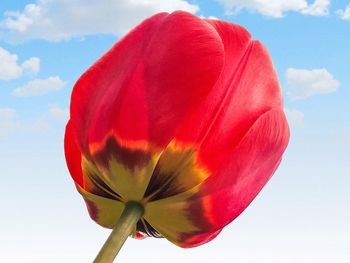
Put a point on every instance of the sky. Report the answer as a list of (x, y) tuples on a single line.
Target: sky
[(303, 213)]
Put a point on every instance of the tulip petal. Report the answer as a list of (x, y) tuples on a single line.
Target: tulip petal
[(104, 211), (107, 76), (170, 217), (84, 172), (177, 171), (160, 75), (73, 156), (205, 209), (126, 171), (96, 183), (246, 170), (179, 168), (247, 88)]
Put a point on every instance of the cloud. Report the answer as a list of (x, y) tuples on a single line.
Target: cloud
[(51, 120), (39, 87), (344, 14), (277, 8), (11, 124), (303, 83), (31, 65), (295, 118), (318, 8), (63, 19), (10, 69), (59, 113)]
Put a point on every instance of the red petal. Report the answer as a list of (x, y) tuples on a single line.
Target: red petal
[(139, 235), (247, 88), (73, 156), (111, 70), (189, 240), (246, 170), (146, 85)]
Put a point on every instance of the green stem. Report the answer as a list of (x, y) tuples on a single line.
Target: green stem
[(132, 213)]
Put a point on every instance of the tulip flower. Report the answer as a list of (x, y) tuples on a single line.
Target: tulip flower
[(175, 130)]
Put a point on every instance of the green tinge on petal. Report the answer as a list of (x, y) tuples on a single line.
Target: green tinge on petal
[(171, 216), (103, 211)]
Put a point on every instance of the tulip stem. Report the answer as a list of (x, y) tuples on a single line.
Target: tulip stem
[(132, 213)]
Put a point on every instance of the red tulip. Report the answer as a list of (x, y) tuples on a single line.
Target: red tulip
[(184, 116)]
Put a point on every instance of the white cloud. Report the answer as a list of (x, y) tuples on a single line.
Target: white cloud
[(277, 8), (31, 65), (344, 14), (209, 17), (39, 87), (318, 8), (21, 21), (63, 19), (59, 113), (303, 83), (10, 69), (295, 118), (11, 123)]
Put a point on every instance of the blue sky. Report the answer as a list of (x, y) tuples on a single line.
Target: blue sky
[(302, 214)]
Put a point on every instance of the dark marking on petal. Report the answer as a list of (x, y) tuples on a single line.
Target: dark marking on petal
[(162, 185), (197, 213), (128, 157), (176, 172), (144, 227), (99, 187)]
